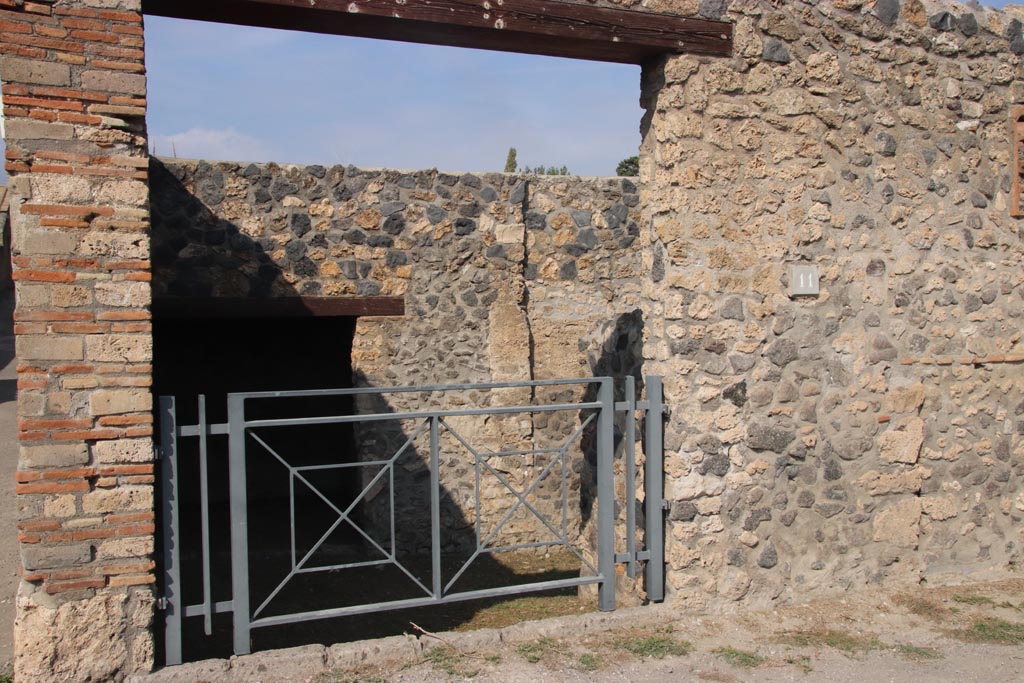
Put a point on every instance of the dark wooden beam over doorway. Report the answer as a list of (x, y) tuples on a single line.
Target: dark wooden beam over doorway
[(284, 307), (540, 27)]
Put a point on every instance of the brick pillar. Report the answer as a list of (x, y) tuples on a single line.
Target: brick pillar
[(74, 91)]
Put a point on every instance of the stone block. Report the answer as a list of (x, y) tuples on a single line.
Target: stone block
[(70, 296), (900, 524), (54, 455), (35, 557), (115, 401), (125, 294), (120, 499), (79, 640), (47, 242), (115, 82), (21, 129), (136, 546), (119, 348), (380, 651), (280, 666), (207, 671), (123, 193), (123, 451), (902, 442), (121, 245), (61, 188), (34, 72), (48, 347)]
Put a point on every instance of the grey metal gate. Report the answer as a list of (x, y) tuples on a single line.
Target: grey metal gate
[(243, 432)]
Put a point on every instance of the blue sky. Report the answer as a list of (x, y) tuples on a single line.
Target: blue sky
[(244, 94), (239, 93)]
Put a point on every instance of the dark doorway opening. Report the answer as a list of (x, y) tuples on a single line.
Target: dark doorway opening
[(201, 355)]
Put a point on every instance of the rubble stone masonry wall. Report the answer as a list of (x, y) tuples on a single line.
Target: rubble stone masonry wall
[(872, 433), (505, 278)]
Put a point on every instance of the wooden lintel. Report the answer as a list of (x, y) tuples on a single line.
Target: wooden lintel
[(285, 307), (542, 27)]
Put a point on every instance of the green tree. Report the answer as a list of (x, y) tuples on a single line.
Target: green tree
[(628, 167), (510, 160)]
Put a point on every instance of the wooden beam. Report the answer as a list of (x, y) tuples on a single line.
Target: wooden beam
[(541, 27), (285, 307)]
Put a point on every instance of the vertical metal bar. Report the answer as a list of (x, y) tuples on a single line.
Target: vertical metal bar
[(476, 495), (239, 524), (654, 492), (171, 541), (606, 495), (435, 507), (565, 492), (391, 486), (631, 476), (291, 512), (204, 515)]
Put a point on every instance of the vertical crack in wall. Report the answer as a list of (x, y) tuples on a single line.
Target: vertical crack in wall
[(524, 300)]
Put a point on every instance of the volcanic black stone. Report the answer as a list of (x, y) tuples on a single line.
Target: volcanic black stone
[(783, 352), (682, 511), (763, 437), (776, 51), (736, 394), (943, 21), (395, 224), (876, 267), (300, 224), (769, 556), (887, 11)]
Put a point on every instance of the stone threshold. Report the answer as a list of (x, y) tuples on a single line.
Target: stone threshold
[(306, 662)]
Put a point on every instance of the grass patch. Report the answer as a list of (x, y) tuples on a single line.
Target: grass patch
[(993, 631), (451, 661), (534, 651), (739, 658), (530, 608), (833, 639), (802, 662), (6, 677), (916, 653), (976, 600), (588, 662), (923, 608), (655, 647)]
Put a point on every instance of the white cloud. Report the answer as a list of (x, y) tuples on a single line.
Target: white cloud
[(220, 144)]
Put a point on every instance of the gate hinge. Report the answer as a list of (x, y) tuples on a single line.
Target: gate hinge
[(666, 411), (666, 504), (161, 603)]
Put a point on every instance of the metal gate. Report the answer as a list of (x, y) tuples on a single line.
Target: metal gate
[(610, 426)]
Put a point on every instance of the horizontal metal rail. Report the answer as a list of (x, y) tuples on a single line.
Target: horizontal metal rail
[(429, 389), (425, 602)]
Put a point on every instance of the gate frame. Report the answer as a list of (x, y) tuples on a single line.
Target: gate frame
[(237, 426)]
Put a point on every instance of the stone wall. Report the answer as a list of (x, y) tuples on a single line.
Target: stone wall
[(74, 108), (505, 278), (871, 433)]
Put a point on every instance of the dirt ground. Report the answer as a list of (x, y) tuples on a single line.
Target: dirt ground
[(949, 634)]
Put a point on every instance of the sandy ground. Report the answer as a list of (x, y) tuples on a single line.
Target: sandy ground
[(8, 464), (958, 634)]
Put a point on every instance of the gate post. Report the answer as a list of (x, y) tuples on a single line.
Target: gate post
[(171, 541), (239, 524), (654, 493), (606, 494)]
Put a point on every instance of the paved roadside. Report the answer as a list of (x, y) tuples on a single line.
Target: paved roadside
[(8, 465), (967, 633)]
